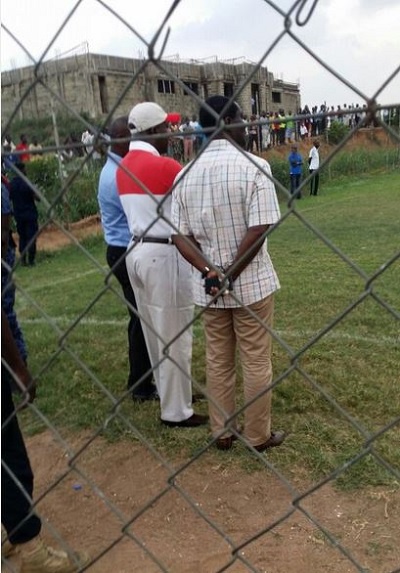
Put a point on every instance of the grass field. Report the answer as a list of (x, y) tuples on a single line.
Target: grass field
[(336, 353)]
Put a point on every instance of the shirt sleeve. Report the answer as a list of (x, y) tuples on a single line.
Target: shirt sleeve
[(263, 207), (178, 213)]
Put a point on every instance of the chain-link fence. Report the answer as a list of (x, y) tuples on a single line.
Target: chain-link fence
[(181, 486)]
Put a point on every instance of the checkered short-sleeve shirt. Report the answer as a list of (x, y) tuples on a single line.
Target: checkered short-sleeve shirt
[(216, 199)]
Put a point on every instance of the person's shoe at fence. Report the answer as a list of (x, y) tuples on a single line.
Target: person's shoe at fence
[(37, 557), (7, 549), (140, 398), (275, 440)]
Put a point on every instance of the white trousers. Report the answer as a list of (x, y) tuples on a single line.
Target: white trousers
[(162, 281)]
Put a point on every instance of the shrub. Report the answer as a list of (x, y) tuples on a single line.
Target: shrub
[(337, 132), (280, 171), (44, 173), (79, 198)]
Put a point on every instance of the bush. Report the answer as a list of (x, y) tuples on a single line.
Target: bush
[(363, 161), (280, 171), (44, 173), (81, 196), (79, 199), (337, 132)]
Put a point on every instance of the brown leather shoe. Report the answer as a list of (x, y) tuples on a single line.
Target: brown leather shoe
[(192, 422), (275, 440), (225, 443)]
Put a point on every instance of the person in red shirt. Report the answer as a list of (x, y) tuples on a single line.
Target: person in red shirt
[(161, 278), (21, 147)]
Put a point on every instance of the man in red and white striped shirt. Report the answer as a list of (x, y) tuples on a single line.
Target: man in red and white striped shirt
[(160, 276)]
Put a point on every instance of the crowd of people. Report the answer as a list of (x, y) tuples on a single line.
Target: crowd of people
[(280, 128)]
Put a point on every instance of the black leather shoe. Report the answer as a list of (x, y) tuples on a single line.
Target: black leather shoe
[(192, 422), (139, 398), (275, 440)]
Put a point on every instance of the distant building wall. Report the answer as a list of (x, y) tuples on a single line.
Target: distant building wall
[(93, 84)]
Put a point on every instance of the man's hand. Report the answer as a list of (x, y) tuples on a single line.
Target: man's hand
[(12, 358), (214, 282)]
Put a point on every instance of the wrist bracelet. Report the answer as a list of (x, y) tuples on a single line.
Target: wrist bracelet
[(205, 272)]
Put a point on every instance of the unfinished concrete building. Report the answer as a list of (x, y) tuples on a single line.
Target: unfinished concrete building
[(99, 85)]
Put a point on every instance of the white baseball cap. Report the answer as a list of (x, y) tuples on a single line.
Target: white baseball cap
[(146, 115)]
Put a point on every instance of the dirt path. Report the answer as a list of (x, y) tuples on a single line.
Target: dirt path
[(240, 504), (53, 238)]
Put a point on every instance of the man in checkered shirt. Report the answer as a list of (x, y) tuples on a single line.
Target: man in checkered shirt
[(223, 203)]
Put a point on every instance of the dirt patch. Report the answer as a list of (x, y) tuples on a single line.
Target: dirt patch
[(190, 525), (52, 237)]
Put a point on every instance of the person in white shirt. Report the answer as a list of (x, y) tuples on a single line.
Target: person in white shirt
[(313, 166), (188, 141), (222, 205)]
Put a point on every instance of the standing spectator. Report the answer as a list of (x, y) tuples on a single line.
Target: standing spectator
[(23, 148), (289, 127), (8, 156), (160, 277), (87, 140), (175, 142), (246, 131), (303, 130), (198, 136), (22, 525), (188, 139), (295, 164), (313, 166), (265, 132), (37, 148), (282, 127), (307, 119), (117, 237), (7, 264), (223, 206), (274, 128), (253, 134), (8, 144), (24, 199)]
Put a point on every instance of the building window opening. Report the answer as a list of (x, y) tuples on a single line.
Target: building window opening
[(228, 89), (193, 86), (103, 94), (166, 87), (255, 99), (276, 97)]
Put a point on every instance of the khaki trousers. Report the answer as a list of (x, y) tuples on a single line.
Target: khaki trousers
[(225, 330)]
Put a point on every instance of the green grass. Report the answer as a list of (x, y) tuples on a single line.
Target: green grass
[(334, 392)]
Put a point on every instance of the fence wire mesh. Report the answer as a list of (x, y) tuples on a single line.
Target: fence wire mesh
[(301, 492)]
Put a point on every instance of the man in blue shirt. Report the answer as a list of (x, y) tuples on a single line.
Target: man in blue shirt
[(295, 163), (117, 237)]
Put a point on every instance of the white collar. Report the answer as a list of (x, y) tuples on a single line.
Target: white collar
[(143, 146)]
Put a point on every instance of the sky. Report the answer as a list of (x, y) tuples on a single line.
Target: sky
[(358, 39)]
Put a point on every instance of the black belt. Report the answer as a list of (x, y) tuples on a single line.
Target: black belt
[(162, 240)]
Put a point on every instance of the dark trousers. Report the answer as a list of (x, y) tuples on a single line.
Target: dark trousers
[(253, 141), (16, 474), (314, 183), (295, 184), (139, 362), (27, 230)]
